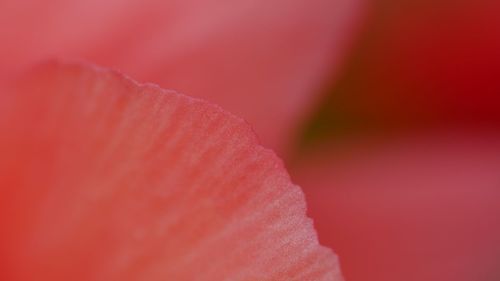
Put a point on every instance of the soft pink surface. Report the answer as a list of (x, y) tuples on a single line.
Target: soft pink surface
[(263, 60), (105, 179), (415, 208)]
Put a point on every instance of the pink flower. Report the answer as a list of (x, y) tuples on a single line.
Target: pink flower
[(102, 178)]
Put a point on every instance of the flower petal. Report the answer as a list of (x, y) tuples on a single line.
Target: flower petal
[(105, 179), (259, 59), (422, 63), (411, 209)]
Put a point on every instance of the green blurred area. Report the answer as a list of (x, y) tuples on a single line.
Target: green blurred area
[(345, 110)]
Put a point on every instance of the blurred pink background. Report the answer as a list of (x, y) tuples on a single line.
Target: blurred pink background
[(409, 141)]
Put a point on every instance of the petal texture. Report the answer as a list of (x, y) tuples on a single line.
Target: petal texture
[(105, 179), (260, 59), (416, 208)]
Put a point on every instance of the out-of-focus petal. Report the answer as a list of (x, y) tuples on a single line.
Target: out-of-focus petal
[(262, 60), (105, 179), (422, 63), (423, 208)]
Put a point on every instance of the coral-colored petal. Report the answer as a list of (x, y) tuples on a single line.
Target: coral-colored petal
[(413, 209), (105, 179), (259, 59)]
